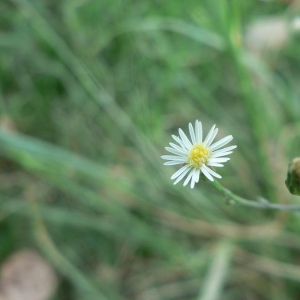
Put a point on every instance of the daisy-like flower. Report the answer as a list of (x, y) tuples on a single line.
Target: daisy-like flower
[(196, 155)]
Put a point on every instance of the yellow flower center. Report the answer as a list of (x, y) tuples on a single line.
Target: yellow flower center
[(198, 155)]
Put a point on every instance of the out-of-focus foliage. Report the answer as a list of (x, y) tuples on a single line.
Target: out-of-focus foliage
[(90, 93)]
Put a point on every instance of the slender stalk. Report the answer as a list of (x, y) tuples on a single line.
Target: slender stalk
[(265, 204), (249, 94), (48, 247)]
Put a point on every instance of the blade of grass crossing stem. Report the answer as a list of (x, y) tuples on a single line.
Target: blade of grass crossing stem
[(216, 277), (61, 263)]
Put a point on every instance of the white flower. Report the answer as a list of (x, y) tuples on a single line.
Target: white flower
[(197, 155)]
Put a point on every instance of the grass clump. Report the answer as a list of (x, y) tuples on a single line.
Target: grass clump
[(90, 93)]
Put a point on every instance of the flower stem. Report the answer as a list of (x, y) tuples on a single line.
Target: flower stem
[(263, 204)]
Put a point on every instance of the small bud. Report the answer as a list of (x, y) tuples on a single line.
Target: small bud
[(292, 181)]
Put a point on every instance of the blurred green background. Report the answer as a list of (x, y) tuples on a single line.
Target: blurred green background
[(90, 93)]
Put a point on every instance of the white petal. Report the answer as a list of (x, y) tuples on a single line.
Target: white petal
[(178, 148), (175, 151), (188, 178), (175, 138), (225, 149), (212, 172), (182, 175), (211, 135), (206, 173), (193, 182), (198, 128), (171, 157), (218, 159), (173, 163), (192, 133), (219, 154), (197, 175), (221, 142), (184, 139), (179, 141), (177, 173), (214, 164)]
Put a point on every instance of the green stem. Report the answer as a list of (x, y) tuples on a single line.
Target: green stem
[(249, 93), (265, 204), (48, 247)]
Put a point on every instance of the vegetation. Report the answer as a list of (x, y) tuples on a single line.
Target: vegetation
[(91, 91)]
